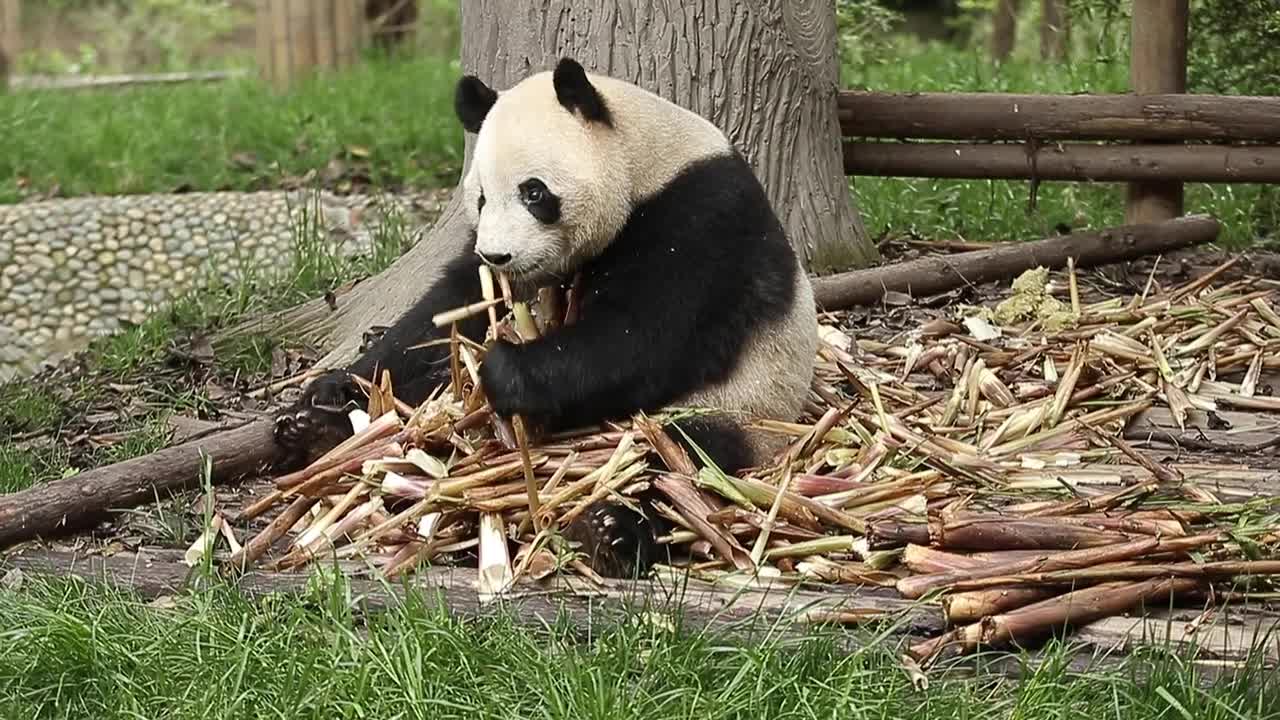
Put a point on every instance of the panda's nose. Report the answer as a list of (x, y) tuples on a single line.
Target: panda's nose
[(495, 259)]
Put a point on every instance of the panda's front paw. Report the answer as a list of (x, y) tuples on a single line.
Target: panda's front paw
[(508, 383), (318, 420), (617, 541)]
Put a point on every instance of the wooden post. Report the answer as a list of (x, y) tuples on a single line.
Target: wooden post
[(1004, 29), (10, 38), (297, 37), (1055, 30), (1158, 66)]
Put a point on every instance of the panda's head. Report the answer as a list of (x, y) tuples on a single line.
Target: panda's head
[(549, 184)]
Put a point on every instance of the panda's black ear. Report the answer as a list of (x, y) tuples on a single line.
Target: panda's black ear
[(471, 101), (576, 93)]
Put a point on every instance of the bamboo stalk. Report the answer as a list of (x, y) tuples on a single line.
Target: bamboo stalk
[(917, 586), (694, 510), (450, 317), (971, 606), (260, 543), (1038, 619), (1000, 533), (1117, 572)]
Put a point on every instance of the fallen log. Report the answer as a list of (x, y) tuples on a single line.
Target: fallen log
[(931, 275), (71, 503), (747, 613)]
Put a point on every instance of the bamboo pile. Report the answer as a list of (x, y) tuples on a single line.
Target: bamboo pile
[(978, 462)]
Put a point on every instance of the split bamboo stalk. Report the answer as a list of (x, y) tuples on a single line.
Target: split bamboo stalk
[(1033, 621), (917, 586)]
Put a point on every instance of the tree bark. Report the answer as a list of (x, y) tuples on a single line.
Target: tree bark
[(1011, 116), (10, 38), (72, 503), (1157, 64), (749, 614), (766, 72), (297, 37)]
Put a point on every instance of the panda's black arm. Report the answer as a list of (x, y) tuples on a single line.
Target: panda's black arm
[(607, 365), (415, 371)]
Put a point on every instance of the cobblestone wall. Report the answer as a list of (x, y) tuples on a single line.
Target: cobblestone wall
[(74, 269)]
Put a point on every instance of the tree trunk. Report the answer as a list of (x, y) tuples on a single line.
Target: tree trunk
[(1157, 64), (766, 72)]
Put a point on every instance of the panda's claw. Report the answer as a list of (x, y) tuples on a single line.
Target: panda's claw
[(616, 540), (318, 418), (295, 430)]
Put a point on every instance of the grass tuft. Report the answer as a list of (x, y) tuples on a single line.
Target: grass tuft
[(78, 650)]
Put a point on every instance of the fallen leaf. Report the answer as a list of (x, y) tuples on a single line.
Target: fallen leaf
[(244, 160), (12, 580), (164, 602), (893, 298), (201, 349), (980, 329)]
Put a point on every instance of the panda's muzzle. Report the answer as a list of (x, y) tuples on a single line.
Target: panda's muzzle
[(495, 260)]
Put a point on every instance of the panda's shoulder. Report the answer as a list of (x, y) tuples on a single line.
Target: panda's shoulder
[(713, 204)]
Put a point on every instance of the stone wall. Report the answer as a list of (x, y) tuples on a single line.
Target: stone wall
[(72, 270)]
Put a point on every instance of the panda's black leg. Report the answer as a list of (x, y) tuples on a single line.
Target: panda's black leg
[(318, 420), (621, 541), (717, 436)]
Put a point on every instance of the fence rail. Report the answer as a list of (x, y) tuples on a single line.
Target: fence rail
[(1072, 162), (1008, 116), (1145, 130)]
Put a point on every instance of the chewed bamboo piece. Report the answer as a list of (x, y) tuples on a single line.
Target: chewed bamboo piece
[(1004, 476)]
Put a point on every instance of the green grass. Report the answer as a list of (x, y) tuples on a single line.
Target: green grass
[(26, 408), (398, 113), (393, 118), (21, 468), (142, 355), (73, 650), (999, 209)]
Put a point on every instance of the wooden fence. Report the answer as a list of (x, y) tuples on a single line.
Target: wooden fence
[(294, 39), (10, 35), (1040, 137), (297, 37)]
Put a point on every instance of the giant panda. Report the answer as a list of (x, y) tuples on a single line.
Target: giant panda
[(694, 296)]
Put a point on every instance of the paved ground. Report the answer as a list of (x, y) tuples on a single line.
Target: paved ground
[(78, 268)]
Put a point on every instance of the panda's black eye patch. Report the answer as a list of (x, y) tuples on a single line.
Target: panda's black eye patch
[(480, 203), (541, 202)]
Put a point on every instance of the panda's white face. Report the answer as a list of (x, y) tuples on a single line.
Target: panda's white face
[(560, 161), (542, 190)]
